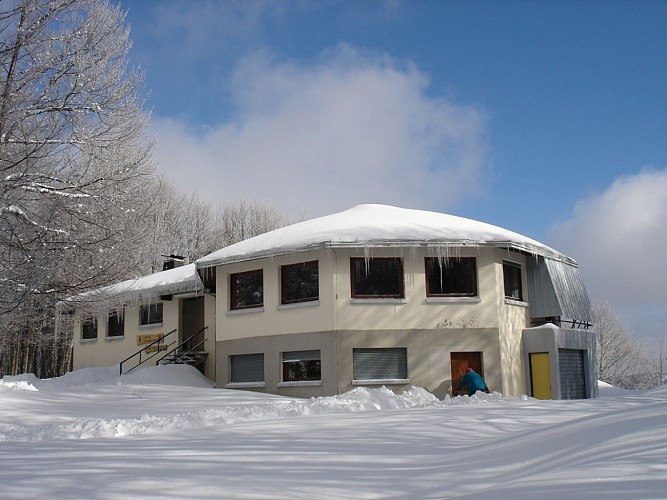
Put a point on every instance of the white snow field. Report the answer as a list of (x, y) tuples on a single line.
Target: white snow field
[(164, 432)]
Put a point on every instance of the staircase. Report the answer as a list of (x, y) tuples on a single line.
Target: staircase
[(193, 358), (181, 354)]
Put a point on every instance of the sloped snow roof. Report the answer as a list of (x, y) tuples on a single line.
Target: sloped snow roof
[(373, 226), (177, 280)]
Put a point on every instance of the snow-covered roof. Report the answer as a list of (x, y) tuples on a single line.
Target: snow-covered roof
[(177, 280), (374, 226)]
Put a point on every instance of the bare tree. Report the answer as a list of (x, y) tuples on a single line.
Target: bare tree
[(622, 360), (76, 176), (242, 220)]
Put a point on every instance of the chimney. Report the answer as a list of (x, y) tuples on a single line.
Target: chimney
[(172, 261)]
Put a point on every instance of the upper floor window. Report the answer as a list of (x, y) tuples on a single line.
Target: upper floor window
[(451, 277), (116, 324), (301, 365), (246, 290), (300, 282), (151, 314), (89, 328), (512, 281), (377, 277)]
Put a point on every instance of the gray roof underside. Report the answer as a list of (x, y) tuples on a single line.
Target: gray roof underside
[(556, 289)]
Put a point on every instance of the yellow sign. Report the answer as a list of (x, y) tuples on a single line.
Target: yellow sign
[(147, 339)]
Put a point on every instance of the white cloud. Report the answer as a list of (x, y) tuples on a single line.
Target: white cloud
[(619, 238), (352, 128)]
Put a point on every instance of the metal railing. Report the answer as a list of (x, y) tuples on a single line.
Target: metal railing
[(159, 347), (183, 355)]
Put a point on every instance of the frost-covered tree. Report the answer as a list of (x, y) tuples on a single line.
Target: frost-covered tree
[(622, 360), (76, 176), (242, 220)]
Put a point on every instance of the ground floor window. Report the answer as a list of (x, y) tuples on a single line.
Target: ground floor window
[(116, 324), (89, 328), (245, 368), (380, 364), (151, 314), (302, 365)]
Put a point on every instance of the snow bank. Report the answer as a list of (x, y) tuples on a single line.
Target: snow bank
[(180, 375)]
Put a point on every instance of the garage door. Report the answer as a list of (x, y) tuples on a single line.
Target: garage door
[(571, 368)]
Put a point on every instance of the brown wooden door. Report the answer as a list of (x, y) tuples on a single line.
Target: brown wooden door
[(461, 361)]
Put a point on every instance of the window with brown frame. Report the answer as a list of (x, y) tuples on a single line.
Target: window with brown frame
[(246, 290), (380, 277), (302, 366), (299, 282), (512, 281), (451, 277)]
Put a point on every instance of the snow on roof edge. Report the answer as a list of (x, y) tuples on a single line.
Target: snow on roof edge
[(177, 280), (376, 226)]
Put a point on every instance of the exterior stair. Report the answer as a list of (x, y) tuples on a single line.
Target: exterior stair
[(193, 358)]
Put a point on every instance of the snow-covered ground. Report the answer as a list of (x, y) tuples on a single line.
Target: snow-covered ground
[(164, 432)]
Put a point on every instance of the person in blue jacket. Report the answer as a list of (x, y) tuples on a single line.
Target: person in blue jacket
[(473, 382)]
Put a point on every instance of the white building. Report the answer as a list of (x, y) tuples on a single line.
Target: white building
[(379, 295)]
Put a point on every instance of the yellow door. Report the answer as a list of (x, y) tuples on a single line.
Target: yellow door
[(540, 375)]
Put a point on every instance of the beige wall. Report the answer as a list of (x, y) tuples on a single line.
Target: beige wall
[(430, 328), (274, 318), (108, 351), (513, 317), (337, 311)]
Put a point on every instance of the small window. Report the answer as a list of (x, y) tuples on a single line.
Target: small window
[(116, 324), (89, 328), (512, 278), (301, 365), (376, 278), (300, 282), (151, 314), (246, 368), (246, 290), (451, 277), (380, 364)]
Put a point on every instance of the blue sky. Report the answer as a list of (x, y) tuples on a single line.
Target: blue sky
[(547, 118)]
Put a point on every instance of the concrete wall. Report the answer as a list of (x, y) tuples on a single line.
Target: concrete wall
[(549, 338), (428, 353)]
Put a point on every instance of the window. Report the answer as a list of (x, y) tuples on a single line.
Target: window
[(376, 278), (151, 314), (116, 324), (512, 278), (246, 290), (89, 328), (246, 368), (380, 364), (451, 277), (301, 365), (299, 282)]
